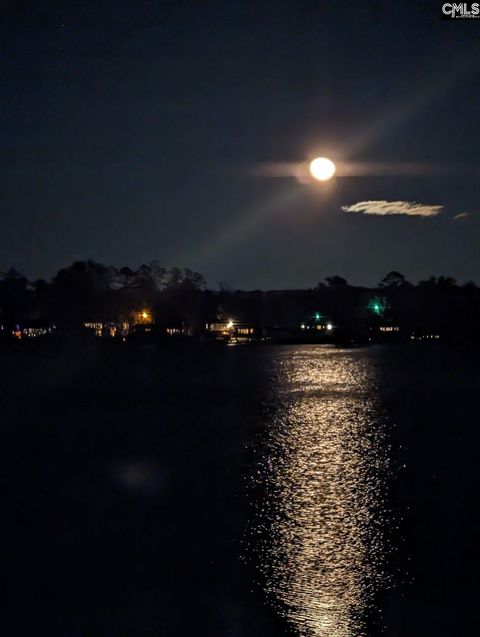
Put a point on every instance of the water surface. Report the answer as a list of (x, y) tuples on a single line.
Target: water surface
[(240, 491)]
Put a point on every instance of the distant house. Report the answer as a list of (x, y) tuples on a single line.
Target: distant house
[(142, 317), (231, 330), (174, 331), (422, 335), (171, 328), (385, 332), (34, 328), (108, 329), (324, 328), (95, 326)]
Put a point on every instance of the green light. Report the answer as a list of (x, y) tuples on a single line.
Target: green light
[(318, 316), (377, 307)]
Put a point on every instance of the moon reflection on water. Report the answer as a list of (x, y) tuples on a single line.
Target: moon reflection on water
[(324, 468)]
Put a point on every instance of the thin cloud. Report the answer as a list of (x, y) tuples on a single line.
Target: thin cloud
[(386, 208), (461, 215)]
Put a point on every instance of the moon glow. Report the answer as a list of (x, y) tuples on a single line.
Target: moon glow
[(322, 168)]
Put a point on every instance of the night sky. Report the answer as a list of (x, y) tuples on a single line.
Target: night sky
[(132, 131)]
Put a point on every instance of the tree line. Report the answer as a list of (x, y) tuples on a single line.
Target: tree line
[(90, 291)]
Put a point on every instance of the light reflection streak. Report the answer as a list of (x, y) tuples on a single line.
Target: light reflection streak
[(240, 228), (355, 169), (325, 511)]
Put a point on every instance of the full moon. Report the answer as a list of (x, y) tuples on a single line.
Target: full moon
[(322, 168)]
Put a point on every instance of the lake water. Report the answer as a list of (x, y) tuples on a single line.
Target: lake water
[(231, 491)]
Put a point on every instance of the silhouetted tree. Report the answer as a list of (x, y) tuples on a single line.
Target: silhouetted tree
[(393, 280), (336, 282), (446, 282), (79, 292), (428, 283), (16, 296)]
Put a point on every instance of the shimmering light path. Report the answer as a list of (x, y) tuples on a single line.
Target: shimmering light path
[(324, 516)]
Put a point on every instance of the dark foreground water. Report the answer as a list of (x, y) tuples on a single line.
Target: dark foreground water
[(239, 491)]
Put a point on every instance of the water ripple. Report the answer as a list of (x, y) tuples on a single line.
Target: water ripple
[(324, 466)]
